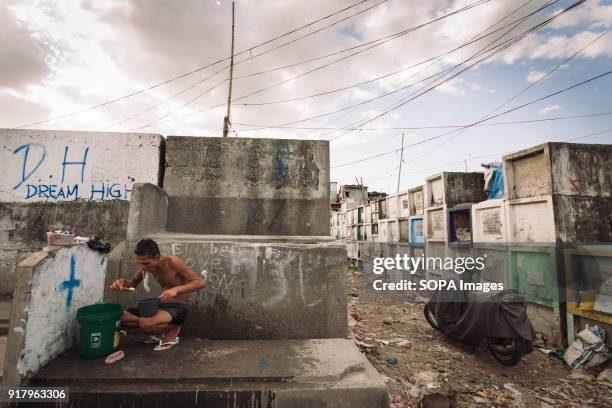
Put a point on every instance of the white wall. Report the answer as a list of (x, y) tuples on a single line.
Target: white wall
[(42, 165), (51, 327)]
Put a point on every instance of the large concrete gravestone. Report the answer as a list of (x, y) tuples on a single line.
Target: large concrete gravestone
[(237, 186)]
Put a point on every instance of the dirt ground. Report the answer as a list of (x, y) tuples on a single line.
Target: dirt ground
[(427, 363)]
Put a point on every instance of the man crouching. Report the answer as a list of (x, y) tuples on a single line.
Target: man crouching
[(176, 279)]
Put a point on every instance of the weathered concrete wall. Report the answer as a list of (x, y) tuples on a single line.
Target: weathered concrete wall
[(44, 165), (583, 220), (148, 212), (256, 288), (50, 287), (453, 188), (54, 179), (23, 228), (247, 186), (559, 168)]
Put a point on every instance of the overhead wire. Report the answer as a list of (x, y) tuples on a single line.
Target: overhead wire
[(389, 38), (491, 117), (457, 132), (440, 73), (189, 87), (198, 69), (513, 122), (472, 40), (496, 50)]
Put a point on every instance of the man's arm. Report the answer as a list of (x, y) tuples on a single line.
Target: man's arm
[(195, 282), (136, 279), (128, 283)]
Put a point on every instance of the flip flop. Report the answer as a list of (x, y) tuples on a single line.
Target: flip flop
[(167, 345)]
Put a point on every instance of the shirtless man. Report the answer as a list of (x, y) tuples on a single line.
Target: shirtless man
[(176, 279)]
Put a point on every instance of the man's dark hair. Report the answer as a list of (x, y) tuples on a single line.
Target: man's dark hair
[(147, 247)]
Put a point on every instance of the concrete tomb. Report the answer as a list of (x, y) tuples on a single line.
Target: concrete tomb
[(250, 216)]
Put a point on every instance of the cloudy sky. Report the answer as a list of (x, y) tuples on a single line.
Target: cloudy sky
[(62, 57)]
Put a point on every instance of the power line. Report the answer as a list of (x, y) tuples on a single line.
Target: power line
[(513, 122), (389, 38), (63, 116), (491, 117), (404, 87), (473, 40), (499, 49), (463, 126), (476, 157), (223, 69), (550, 72)]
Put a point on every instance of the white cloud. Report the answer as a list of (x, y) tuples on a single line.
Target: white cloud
[(549, 109), (534, 76), (594, 13)]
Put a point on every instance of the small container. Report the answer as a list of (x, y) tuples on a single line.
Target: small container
[(59, 238), (148, 307)]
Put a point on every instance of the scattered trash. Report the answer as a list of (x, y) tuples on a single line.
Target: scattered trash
[(81, 240), (425, 377), (605, 376), (588, 350), (361, 326), (362, 344), (516, 394), (396, 402), (113, 358), (579, 375), (546, 400), (430, 366), (413, 391), (438, 401), (97, 244), (392, 361)]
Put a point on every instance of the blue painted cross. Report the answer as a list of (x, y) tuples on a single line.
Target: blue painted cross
[(70, 284)]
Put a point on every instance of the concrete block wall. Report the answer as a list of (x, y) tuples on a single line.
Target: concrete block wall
[(50, 286), (55, 179), (574, 180), (257, 287), (241, 186)]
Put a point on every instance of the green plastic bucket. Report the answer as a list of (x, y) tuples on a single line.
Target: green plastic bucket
[(99, 333)]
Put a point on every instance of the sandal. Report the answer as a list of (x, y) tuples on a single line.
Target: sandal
[(167, 345)]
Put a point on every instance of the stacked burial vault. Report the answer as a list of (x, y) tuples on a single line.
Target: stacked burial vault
[(251, 216), (550, 236)]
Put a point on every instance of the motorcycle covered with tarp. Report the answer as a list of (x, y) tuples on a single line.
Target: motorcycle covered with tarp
[(496, 320)]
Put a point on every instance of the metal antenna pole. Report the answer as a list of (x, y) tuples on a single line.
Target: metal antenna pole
[(226, 120), (399, 175)]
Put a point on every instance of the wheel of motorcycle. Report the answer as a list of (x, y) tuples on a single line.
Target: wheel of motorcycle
[(506, 357), (431, 319)]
